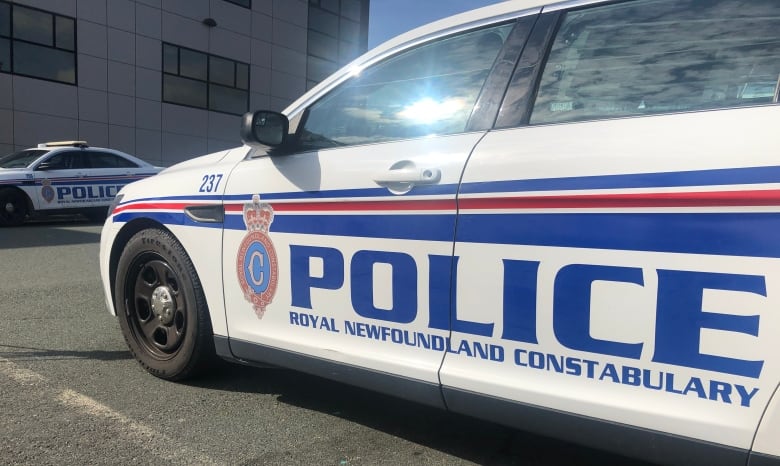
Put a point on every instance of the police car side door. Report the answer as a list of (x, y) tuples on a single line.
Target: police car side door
[(342, 249), (615, 250), (55, 179)]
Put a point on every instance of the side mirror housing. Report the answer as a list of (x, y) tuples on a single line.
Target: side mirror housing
[(43, 166), (264, 128)]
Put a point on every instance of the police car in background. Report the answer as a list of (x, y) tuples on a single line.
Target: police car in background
[(64, 177), (562, 217)]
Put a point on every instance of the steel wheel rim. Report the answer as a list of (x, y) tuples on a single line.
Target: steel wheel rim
[(156, 308)]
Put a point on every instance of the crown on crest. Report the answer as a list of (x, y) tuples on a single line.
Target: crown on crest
[(258, 216)]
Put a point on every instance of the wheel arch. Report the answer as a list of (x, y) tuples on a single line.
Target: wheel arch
[(121, 240)]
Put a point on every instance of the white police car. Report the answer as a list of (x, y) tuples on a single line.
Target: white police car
[(64, 177), (559, 217)]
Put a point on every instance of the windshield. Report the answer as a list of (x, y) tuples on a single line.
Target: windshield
[(21, 159)]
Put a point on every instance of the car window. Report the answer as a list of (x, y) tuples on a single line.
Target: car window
[(107, 160), (21, 159), (60, 161), (659, 56), (428, 90)]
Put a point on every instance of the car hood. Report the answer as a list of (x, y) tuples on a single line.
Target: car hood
[(14, 173)]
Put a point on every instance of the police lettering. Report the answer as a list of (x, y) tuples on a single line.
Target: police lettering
[(680, 318), (65, 193)]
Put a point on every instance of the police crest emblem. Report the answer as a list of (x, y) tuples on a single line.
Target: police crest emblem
[(257, 265), (47, 192)]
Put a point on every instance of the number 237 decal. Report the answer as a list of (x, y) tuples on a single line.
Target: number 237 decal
[(210, 183)]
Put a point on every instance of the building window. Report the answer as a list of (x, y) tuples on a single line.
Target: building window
[(338, 33), (202, 80), (243, 3), (37, 43)]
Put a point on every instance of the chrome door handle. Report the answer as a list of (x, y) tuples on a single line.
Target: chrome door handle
[(409, 175)]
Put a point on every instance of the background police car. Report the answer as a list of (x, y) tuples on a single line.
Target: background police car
[(64, 177), (564, 221)]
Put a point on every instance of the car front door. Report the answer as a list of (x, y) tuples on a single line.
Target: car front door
[(615, 249), (59, 181), (342, 249)]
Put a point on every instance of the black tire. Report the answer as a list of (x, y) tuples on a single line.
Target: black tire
[(161, 307), (13, 207)]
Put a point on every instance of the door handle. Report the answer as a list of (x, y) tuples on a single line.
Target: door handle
[(409, 175)]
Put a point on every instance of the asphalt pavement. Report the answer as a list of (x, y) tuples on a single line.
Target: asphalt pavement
[(71, 394)]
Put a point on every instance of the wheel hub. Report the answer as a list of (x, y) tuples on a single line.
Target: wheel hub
[(9, 207), (162, 304)]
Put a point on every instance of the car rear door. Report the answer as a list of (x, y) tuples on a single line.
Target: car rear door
[(615, 248), (341, 250)]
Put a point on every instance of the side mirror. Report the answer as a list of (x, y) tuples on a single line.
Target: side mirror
[(43, 166), (264, 128)]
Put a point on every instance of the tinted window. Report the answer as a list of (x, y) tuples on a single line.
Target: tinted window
[(33, 25), (20, 159), (44, 62), (429, 90), (5, 19), (659, 56), (106, 160)]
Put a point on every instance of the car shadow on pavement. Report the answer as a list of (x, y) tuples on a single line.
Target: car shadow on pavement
[(55, 234), (461, 436)]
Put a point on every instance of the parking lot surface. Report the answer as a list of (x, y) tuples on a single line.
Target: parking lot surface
[(72, 394)]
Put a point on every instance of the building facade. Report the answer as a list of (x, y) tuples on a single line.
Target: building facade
[(165, 80)]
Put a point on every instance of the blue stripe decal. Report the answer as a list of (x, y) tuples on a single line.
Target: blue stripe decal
[(728, 176)]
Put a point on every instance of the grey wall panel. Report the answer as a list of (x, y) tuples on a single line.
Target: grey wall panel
[(148, 84), (6, 128), (148, 114), (38, 96), (93, 105), (277, 104), (262, 26), (184, 120), (121, 78), (178, 148), (92, 39), (120, 14), (92, 10), (261, 53), (225, 127), (154, 3), (289, 35), (183, 31), (230, 45), (263, 6), (96, 134), (287, 86), (121, 138), (148, 21), (293, 11), (6, 95), (231, 17), (121, 46), (65, 7), (258, 101), (260, 79), (288, 61), (148, 53), (121, 110), (33, 128), (148, 145), (93, 72), (195, 9), (6, 149)]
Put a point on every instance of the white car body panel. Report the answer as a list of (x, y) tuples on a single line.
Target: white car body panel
[(524, 200)]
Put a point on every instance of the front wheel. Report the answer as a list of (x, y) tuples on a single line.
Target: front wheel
[(13, 207), (161, 307)]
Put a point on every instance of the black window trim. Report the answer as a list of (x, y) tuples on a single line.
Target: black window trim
[(208, 81), (12, 39)]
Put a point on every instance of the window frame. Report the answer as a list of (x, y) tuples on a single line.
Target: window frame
[(207, 82), (53, 16)]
